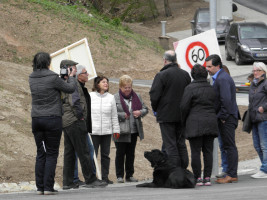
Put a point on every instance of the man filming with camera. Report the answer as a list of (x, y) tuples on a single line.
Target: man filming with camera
[(75, 127)]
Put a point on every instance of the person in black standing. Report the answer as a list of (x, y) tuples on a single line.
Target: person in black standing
[(165, 95), (199, 118), (46, 114)]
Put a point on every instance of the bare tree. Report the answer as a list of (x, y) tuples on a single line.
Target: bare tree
[(168, 11), (98, 4), (153, 8)]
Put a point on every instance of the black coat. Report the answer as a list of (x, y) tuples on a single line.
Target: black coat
[(197, 109), (166, 92)]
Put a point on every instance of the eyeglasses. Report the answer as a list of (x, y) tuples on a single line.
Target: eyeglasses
[(257, 70), (84, 72)]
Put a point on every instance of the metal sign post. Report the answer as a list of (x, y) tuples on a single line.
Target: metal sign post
[(213, 24)]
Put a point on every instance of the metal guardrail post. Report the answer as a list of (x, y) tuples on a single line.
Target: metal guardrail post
[(163, 25), (215, 164), (163, 39)]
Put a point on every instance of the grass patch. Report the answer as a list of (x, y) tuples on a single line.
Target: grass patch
[(97, 21)]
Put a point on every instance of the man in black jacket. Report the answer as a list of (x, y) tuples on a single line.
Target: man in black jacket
[(227, 114), (165, 96)]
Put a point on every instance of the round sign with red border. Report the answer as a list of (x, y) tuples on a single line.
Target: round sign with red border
[(196, 52)]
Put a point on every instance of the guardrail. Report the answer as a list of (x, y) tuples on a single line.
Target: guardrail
[(241, 87)]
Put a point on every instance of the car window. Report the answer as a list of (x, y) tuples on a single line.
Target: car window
[(203, 17), (250, 32)]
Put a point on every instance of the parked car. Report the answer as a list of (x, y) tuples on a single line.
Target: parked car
[(201, 23), (246, 41)]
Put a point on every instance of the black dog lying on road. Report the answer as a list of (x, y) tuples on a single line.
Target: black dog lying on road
[(165, 175)]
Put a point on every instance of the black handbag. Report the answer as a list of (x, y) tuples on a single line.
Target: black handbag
[(247, 124)]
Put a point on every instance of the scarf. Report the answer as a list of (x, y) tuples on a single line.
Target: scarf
[(136, 103)]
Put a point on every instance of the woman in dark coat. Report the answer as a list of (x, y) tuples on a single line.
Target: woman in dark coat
[(46, 87), (258, 115), (200, 121)]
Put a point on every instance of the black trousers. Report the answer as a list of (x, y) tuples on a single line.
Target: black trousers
[(103, 141), (227, 131), (75, 140), (204, 144), (174, 143), (125, 154), (47, 133)]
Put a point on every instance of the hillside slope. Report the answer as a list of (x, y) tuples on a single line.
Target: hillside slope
[(27, 28)]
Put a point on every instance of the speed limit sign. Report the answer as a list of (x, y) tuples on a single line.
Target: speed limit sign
[(196, 52), (195, 49)]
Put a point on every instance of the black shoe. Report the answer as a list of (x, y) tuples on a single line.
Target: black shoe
[(108, 181), (53, 192), (96, 183), (79, 182), (73, 185)]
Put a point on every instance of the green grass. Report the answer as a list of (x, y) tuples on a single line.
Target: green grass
[(101, 23)]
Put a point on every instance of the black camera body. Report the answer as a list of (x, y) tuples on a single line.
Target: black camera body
[(64, 71)]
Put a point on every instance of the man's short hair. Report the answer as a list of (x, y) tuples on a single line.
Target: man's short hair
[(79, 69), (170, 56), (215, 60), (199, 72)]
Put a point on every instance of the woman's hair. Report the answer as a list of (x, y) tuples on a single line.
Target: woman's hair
[(260, 65), (125, 79), (97, 80), (225, 68), (199, 72), (41, 60)]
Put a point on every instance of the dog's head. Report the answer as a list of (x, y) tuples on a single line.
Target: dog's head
[(155, 157)]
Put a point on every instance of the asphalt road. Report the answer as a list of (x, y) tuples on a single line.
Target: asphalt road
[(246, 188)]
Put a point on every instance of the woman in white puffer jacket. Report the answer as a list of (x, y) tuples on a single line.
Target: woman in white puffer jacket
[(104, 122)]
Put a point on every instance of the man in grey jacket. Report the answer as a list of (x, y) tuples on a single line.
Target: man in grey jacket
[(75, 132)]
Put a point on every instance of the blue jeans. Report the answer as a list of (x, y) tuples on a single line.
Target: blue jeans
[(259, 135), (91, 150), (224, 163)]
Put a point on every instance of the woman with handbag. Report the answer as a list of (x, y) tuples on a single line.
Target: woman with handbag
[(130, 109), (258, 115)]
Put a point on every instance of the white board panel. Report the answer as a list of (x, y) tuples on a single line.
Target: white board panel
[(78, 52)]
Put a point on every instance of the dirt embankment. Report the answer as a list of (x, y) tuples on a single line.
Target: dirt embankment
[(26, 29)]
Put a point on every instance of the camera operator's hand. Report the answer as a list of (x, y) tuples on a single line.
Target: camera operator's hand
[(71, 71)]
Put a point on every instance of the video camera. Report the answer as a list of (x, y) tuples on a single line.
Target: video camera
[(64, 65), (64, 71)]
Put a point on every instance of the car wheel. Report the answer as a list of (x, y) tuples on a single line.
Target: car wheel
[(228, 57), (238, 60)]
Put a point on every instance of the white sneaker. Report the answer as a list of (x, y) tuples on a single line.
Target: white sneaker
[(259, 174), (120, 180)]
